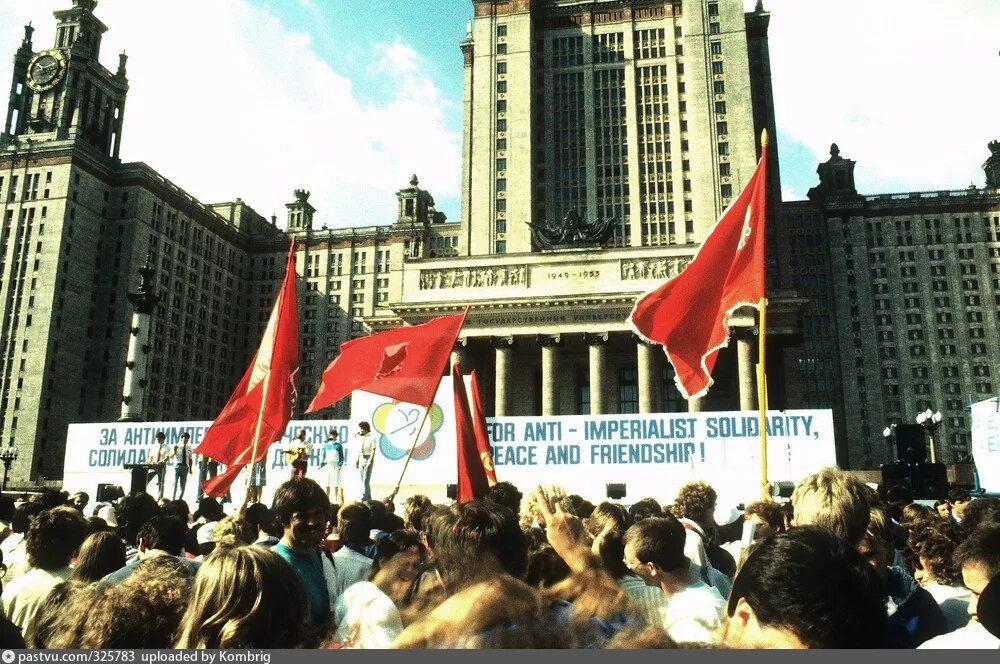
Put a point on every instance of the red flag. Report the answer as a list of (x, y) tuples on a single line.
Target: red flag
[(405, 364), (260, 408), (482, 439), (689, 315), (473, 481)]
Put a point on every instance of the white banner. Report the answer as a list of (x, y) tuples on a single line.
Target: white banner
[(97, 453), (653, 455), (986, 443)]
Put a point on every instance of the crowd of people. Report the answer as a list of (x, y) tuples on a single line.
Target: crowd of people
[(842, 565)]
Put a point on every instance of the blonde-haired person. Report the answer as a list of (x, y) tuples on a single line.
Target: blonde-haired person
[(234, 531), (247, 597), (835, 500)]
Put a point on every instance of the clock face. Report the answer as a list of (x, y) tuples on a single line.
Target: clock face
[(45, 70)]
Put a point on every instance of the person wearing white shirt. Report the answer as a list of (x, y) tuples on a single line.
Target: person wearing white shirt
[(354, 521), (654, 551), (979, 559), (938, 574), (364, 460)]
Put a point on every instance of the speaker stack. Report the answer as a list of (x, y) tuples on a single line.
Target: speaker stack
[(926, 481)]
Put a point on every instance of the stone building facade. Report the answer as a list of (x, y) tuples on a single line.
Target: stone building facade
[(648, 112), (904, 293)]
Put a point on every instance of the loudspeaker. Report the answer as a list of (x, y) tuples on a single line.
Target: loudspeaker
[(452, 491), (930, 481), (108, 493), (911, 445), (782, 489), (615, 491), (895, 473)]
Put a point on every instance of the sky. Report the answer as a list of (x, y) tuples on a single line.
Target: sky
[(348, 99)]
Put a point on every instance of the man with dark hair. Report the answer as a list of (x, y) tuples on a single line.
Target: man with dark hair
[(577, 506), (300, 505), (158, 457), (182, 465), (162, 535), (914, 614), (354, 523), (415, 510), (477, 541), (506, 495), (654, 551), (644, 509), (14, 547), (136, 510), (979, 559), (52, 541), (958, 500), (364, 460), (805, 588)]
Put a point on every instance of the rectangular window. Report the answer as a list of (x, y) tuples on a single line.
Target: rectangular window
[(501, 144), (717, 67), (724, 169), (502, 49), (501, 125), (502, 106), (501, 247), (713, 29), (501, 184), (501, 205), (722, 128), (628, 391), (716, 47), (501, 165), (723, 149), (719, 87), (501, 67), (501, 30), (727, 191), (501, 87), (720, 107)]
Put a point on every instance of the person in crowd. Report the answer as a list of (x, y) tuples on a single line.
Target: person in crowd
[(764, 518), (943, 509), (415, 510), (644, 509), (507, 495), (354, 524), (914, 615), (100, 554), (14, 547), (477, 541), (655, 552), (207, 469), (109, 516), (7, 506), (367, 613), (835, 500), (249, 597), (364, 460), (695, 508), (142, 612), (53, 539), (977, 514), (576, 505), (300, 506), (183, 465), (44, 628), (260, 517), (805, 588), (334, 459), (545, 567), (205, 536), (959, 499), (978, 557), (935, 570), (915, 515), (234, 531), (160, 536), (135, 511), (79, 501)]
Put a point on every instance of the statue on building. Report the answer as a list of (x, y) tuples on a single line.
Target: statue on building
[(572, 230)]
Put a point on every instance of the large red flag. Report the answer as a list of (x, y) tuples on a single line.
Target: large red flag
[(473, 473), (405, 364), (689, 315), (482, 439), (260, 408)]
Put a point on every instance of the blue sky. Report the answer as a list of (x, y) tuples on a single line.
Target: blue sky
[(255, 98)]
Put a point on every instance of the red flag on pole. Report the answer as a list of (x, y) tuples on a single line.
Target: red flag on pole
[(260, 408), (404, 364), (482, 439), (473, 472), (689, 315)]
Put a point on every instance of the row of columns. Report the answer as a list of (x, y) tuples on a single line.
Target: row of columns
[(600, 399)]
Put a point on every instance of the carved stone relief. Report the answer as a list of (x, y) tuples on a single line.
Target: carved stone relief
[(479, 277), (653, 268)]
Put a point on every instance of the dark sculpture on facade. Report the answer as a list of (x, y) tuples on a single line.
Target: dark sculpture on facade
[(572, 230)]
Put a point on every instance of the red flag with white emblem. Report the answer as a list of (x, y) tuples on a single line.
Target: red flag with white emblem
[(261, 406), (689, 314), (405, 364)]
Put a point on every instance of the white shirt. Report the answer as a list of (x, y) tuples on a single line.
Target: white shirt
[(694, 615), (971, 637), (22, 597), (365, 446), (352, 567), (366, 617), (694, 542), (954, 603)]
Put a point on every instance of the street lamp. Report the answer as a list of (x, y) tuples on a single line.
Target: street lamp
[(8, 456), (930, 421)]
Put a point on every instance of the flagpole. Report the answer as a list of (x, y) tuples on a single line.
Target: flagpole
[(260, 425), (762, 391), (413, 446)]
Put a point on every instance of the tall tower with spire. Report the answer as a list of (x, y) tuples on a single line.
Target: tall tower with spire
[(64, 93)]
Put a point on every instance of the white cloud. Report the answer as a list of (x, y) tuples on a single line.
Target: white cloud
[(228, 102), (905, 88)]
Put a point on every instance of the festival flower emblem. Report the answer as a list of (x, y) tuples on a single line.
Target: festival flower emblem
[(396, 424)]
